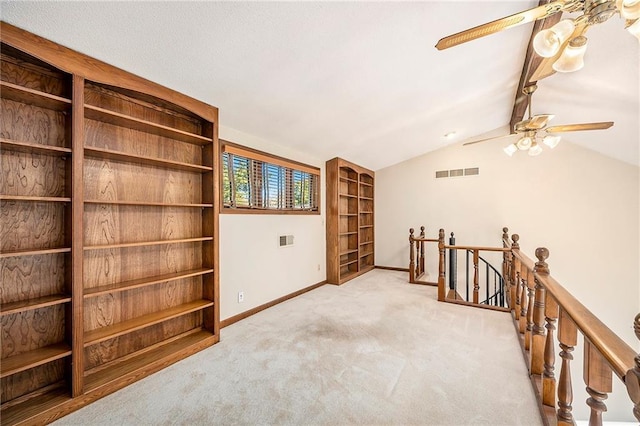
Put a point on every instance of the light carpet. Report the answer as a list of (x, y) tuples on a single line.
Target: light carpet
[(374, 351)]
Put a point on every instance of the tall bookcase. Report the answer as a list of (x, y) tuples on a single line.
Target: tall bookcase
[(350, 220), (108, 228)]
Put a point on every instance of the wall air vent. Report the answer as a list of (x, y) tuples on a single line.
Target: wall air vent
[(286, 240), (471, 171)]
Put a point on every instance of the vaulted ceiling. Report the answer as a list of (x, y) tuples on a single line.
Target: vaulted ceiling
[(358, 80)]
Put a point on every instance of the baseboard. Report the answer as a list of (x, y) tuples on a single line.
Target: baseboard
[(253, 311), (392, 268)]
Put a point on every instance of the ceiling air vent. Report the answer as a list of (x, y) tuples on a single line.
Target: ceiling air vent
[(472, 171), (456, 172), (442, 174), (286, 240)]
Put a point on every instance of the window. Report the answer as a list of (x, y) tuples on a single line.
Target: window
[(253, 181)]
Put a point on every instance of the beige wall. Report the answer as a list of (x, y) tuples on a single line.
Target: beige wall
[(251, 260), (579, 204)]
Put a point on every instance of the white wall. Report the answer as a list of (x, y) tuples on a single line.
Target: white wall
[(251, 260), (579, 204)]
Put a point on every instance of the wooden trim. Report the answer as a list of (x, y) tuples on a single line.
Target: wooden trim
[(93, 69), (265, 157), (234, 319), (391, 268)]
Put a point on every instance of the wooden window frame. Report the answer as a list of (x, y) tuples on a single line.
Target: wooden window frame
[(264, 157)]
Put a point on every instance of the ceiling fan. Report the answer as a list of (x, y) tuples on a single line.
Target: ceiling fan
[(530, 128), (564, 43)]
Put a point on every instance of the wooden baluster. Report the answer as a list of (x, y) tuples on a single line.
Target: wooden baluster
[(423, 236), (632, 378), (441, 266), (412, 263), (548, 378), (568, 337), (515, 292), (538, 330), (522, 288), (476, 278), (505, 268), (599, 380), (532, 298)]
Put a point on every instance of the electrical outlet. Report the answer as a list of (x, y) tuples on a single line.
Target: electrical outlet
[(240, 296)]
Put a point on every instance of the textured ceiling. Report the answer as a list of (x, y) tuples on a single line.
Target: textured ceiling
[(358, 80)]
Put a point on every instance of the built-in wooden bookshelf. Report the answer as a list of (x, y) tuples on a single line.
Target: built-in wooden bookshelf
[(349, 220), (108, 231)]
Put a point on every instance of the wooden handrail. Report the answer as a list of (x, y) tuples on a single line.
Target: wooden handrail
[(426, 240), (618, 354), (477, 248)]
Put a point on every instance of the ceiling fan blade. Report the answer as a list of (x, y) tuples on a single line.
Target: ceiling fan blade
[(536, 122), (488, 139), (492, 27), (579, 127)]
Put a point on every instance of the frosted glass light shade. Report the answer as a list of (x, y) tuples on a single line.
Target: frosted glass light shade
[(509, 150), (547, 42), (635, 29), (629, 9), (535, 150), (551, 140), (572, 58), (524, 143)]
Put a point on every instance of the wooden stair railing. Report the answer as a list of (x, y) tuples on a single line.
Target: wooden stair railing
[(540, 306), (417, 255)]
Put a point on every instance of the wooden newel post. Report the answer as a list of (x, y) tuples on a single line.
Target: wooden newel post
[(632, 378), (538, 330), (423, 236), (441, 266), (412, 263)]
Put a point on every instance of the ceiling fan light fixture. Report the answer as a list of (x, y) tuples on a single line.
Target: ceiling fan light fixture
[(629, 9), (510, 150), (524, 143), (572, 58), (535, 149), (548, 42), (551, 140)]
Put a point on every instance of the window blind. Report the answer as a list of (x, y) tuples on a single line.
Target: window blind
[(251, 181)]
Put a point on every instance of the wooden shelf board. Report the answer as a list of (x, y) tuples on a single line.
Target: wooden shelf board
[(366, 198), (140, 363), (348, 263), (365, 183), (144, 203), (33, 97), (348, 275), (347, 195), (100, 114), (366, 211), (34, 252), (348, 214), (142, 159), (32, 407), (11, 145), (346, 179), (369, 253), (344, 253), (366, 242), (148, 243), (30, 198), (366, 226), (347, 233), (36, 303), (109, 332), (34, 358), (143, 282)]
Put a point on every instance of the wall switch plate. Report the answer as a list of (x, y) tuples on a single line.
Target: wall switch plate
[(240, 296)]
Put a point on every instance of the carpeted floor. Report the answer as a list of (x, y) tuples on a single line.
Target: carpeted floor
[(375, 351)]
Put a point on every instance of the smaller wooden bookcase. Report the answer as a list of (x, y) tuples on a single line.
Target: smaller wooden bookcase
[(350, 236)]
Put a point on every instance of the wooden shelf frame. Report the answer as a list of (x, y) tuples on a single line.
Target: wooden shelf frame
[(27, 360), (93, 152), (147, 243), (31, 304), (149, 204), (28, 147), (143, 282), (110, 331), (28, 96), (34, 252), (37, 199), (118, 119)]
